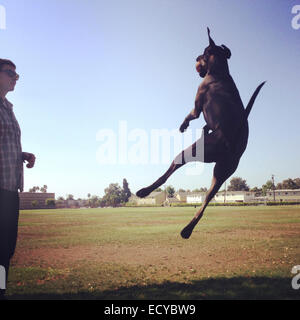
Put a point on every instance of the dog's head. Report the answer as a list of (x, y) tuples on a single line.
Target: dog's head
[(213, 58)]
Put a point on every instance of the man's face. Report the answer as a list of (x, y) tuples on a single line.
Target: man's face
[(8, 77)]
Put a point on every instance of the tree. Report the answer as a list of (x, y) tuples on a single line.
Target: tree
[(126, 193), (257, 191), (113, 195), (267, 186), (200, 190), (289, 184), (34, 189), (238, 184), (94, 202), (102, 202), (297, 182), (44, 188), (70, 197), (170, 191), (279, 186), (158, 190), (181, 190)]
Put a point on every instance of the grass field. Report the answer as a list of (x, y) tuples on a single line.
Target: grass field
[(137, 253)]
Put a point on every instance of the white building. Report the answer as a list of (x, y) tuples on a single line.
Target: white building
[(228, 196), (284, 195), (181, 196), (235, 196), (197, 197)]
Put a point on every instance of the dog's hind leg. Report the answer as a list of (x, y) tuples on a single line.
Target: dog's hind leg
[(222, 171), (146, 191), (194, 152)]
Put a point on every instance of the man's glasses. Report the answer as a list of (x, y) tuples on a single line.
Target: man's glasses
[(11, 74)]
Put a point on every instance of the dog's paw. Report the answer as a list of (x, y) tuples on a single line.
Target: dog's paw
[(143, 193), (186, 232)]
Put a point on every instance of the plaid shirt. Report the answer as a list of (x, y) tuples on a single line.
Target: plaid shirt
[(11, 162)]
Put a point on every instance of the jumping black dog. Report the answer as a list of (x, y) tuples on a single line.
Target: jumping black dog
[(225, 135)]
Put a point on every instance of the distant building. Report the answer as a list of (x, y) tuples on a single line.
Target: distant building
[(154, 198), (170, 201), (196, 197), (35, 200), (159, 198), (235, 196), (133, 199), (284, 195), (82, 203), (71, 203), (181, 196), (229, 196)]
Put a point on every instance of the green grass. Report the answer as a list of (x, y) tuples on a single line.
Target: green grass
[(137, 253)]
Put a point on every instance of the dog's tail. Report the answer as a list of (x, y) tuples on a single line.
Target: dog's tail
[(248, 108), (251, 101)]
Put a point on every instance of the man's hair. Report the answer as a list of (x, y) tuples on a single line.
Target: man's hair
[(6, 61)]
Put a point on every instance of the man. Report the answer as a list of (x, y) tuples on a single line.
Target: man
[(11, 170)]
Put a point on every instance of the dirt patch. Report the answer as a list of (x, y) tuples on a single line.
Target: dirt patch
[(228, 251), (173, 259)]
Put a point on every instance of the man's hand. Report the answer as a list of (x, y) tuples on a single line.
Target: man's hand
[(184, 125), (30, 158)]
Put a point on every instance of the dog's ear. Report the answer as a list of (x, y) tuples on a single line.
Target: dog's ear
[(227, 52), (211, 41)]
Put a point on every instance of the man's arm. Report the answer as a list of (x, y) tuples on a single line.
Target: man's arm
[(195, 113)]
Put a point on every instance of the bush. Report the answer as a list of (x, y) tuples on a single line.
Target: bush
[(34, 203), (279, 203), (236, 204), (218, 204), (50, 202), (132, 204)]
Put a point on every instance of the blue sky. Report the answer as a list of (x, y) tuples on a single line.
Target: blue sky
[(85, 65)]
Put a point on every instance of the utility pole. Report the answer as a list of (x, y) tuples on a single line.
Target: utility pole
[(273, 187)]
